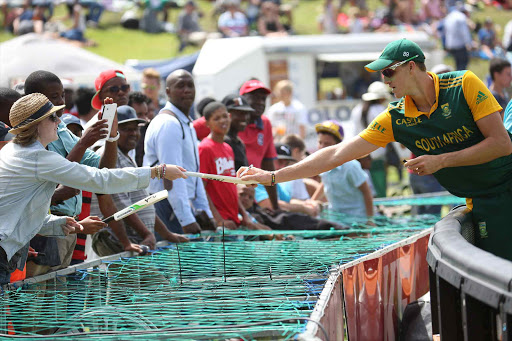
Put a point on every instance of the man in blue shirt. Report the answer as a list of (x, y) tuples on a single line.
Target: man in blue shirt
[(171, 139)]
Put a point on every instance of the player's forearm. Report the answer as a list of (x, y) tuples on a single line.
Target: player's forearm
[(489, 149), (326, 159)]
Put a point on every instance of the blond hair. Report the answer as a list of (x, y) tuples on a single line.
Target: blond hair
[(151, 73), (27, 136), (284, 84)]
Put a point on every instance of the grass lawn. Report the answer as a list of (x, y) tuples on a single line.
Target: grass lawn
[(119, 44)]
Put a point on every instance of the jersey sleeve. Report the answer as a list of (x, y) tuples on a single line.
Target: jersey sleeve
[(380, 131), (479, 98)]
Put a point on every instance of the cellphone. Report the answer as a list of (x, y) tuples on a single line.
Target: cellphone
[(108, 112)]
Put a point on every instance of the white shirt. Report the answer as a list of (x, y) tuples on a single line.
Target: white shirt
[(288, 119), (28, 178)]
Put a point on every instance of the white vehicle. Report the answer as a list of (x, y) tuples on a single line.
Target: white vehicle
[(308, 61)]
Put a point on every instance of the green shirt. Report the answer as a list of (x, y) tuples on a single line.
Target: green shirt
[(461, 100)]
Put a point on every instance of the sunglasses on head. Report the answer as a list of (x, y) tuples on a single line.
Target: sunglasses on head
[(115, 88), (53, 117), (390, 71)]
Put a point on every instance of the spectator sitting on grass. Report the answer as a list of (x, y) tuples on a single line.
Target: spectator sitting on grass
[(233, 23)]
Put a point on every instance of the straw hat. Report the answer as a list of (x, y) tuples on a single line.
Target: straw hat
[(377, 90), (30, 110)]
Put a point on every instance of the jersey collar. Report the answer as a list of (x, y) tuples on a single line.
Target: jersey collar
[(410, 109)]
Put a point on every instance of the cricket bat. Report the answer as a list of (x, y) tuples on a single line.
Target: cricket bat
[(222, 178), (139, 205)]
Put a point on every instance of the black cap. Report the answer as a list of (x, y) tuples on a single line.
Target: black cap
[(126, 114), (284, 152), (236, 102)]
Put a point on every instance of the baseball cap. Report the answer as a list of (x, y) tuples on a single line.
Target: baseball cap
[(331, 127), (253, 84), (126, 114), (71, 119), (284, 152), (100, 81), (236, 102), (397, 51)]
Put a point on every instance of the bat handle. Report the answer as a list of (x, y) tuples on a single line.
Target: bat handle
[(108, 219)]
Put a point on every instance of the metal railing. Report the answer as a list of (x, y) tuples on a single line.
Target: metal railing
[(470, 289)]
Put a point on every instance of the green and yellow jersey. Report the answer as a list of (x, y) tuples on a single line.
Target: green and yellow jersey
[(461, 100)]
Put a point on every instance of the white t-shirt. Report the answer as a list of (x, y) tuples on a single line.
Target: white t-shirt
[(288, 119)]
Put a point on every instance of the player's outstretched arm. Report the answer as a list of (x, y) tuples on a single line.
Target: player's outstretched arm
[(318, 162)]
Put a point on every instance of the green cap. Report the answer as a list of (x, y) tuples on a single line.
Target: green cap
[(397, 51)]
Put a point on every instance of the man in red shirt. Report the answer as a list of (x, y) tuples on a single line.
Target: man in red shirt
[(258, 138)]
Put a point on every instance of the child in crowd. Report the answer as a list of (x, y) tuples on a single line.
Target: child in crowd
[(286, 201), (216, 157), (346, 186)]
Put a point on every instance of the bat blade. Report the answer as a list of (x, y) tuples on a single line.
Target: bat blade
[(221, 178), (139, 205)]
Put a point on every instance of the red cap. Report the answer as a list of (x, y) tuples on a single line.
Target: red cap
[(252, 85), (100, 81)]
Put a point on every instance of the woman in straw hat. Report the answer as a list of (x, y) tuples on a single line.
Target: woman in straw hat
[(29, 174)]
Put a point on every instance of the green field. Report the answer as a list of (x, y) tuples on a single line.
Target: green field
[(119, 44)]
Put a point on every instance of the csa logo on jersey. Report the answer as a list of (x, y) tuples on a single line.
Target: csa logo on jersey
[(446, 111), (261, 139)]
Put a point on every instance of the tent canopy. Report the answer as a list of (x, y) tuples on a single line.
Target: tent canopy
[(22, 55)]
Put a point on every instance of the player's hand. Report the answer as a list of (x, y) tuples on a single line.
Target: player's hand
[(425, 164), (192, 228), (92, 224), (94, 133), (150, 241), (71, 226), (176, 238), (260, 175), (173, 172)]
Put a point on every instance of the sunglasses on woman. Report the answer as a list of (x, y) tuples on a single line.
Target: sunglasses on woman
[(53, 117), (114, 89), (390, 71)]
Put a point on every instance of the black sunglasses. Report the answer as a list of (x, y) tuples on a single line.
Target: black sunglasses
[(53, 117), (115, 88)]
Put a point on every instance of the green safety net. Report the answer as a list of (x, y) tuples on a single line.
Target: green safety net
[(244, 288)]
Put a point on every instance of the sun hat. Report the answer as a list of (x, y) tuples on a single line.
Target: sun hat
[(253, 84), (331, 127), (71, 119), (100, 81), (126, 114), (397, 51), (236, 102), (284, 152), (30, 110), (377, 90)]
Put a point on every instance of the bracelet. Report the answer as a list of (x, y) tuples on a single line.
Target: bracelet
[(163, 170), (273, 180), (113, 139), (158, 173)]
